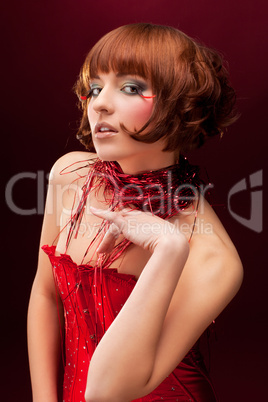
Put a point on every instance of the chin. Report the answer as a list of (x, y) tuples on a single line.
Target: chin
[(108, 156)]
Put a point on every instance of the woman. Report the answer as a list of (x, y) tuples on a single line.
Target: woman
[(142, 265)]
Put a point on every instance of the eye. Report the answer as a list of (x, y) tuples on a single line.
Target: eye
[(131, 89), (94, 91)]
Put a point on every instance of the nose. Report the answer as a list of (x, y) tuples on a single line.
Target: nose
[(103, 103)]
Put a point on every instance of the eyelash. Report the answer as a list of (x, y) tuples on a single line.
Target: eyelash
[(137, 88), (91, 92)]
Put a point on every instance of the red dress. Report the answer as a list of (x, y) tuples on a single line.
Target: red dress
[(92, 298)]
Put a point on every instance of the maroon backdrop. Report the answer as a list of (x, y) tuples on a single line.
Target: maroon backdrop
[(44, 44)]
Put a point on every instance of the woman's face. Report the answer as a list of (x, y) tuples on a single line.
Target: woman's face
[(117, 99)]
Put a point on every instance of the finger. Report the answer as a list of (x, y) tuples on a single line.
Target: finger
[(103, 213), (109, 239), (117, 217), (130, 212), (113, 215)]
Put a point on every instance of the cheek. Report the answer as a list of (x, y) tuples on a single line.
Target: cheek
[(142, 112), (90, 114), (138, 114)]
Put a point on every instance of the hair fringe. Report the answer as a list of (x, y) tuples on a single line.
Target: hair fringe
[(194, 98)]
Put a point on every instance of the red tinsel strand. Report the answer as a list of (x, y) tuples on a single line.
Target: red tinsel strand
[(164, 192), (170, 190)]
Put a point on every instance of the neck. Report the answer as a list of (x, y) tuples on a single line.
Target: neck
[(163, 191), (134, 166)]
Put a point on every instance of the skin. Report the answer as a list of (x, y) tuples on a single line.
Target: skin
[(116, 101), (188, 285)]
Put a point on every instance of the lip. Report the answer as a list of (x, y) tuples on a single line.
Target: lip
[(104, 134)]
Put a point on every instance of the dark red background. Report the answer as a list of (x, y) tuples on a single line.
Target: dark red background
[(44, 44)]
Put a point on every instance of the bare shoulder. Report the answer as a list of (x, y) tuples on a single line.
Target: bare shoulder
[(70, 167), (213, 258)]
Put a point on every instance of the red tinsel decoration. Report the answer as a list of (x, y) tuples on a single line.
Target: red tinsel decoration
[(164, 192)]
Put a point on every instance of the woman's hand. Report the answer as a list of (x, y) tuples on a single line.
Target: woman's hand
[(141, 228)]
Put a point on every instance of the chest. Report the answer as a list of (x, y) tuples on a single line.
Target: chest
[(87, 236)]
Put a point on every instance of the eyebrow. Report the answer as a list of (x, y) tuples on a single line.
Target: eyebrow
[(119, 75)]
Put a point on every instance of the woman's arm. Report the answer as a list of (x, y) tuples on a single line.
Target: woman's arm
[(44, 308), (165, 314), (43, 319), (43, 343)]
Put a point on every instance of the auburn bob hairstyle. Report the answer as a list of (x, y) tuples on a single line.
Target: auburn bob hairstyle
[(194, 100)]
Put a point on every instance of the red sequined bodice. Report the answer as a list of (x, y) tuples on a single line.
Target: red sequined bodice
[(92, 298)]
